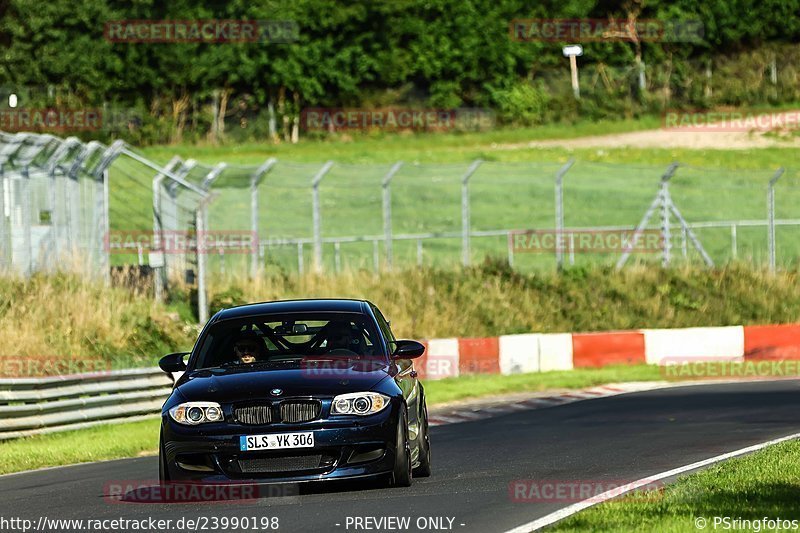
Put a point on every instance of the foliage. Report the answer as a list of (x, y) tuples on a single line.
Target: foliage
[(418, 53)]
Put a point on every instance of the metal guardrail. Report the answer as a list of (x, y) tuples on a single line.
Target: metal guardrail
[(31, 406)]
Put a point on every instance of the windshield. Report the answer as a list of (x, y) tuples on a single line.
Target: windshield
[(287, 338)]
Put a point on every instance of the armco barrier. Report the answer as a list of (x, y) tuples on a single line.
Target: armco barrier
[(29, 406)]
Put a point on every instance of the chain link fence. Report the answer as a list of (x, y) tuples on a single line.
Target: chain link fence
[(93, 208)]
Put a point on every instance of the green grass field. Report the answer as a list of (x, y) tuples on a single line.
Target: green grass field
[(750, 488), (513, 189)]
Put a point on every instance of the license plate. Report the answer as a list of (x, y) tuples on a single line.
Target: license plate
[(276, 441)]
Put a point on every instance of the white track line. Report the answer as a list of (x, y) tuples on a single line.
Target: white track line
[(570, 510)]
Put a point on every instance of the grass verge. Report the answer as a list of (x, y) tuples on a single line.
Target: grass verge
[(116, 441), (763, 484), (109, 441)]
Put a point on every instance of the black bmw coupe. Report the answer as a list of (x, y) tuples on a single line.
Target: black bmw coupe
[(293, 391)]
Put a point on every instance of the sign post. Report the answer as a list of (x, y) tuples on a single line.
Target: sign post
[(572, 51)]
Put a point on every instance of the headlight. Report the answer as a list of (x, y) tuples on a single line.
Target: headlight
[(193, 413), (359, 403)]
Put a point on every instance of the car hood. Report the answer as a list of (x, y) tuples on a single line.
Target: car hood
[(233, 384)]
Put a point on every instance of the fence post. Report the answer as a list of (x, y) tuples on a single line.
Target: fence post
[(5, 236), (665, 210), (771, 217), (465, 214), (25, 184), (510, 245), (684, 243), (559, 190), (255, 181), (661, 198), (387, 210), (57, 216), (317, 217), (160, 271), (212, 176), (172, 218), (105, 226), (102, 216), (300, 266), (202, 301), (734, 242)]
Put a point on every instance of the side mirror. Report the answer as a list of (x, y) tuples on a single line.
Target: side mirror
[(173, 362), (408, 350)]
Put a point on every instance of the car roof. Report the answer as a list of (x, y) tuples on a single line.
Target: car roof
[(339, 305)]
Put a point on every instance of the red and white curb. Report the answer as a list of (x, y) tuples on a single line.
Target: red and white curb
[(542, 352)]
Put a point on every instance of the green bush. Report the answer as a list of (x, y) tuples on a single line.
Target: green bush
[(523, 104)]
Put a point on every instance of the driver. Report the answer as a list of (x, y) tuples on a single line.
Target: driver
[(340, 336), (247, 348)]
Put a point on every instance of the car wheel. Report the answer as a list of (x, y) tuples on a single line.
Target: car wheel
[(401, 475), (163, 473), (424, 467)]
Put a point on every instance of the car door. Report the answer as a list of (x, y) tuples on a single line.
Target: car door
[(406, 377)]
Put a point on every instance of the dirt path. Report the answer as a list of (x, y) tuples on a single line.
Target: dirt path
[(721, 137)]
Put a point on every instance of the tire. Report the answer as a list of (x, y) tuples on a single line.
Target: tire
[(163, 473), (401, 475), (424, 467)]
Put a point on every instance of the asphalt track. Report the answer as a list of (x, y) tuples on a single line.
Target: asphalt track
[(619, 438)]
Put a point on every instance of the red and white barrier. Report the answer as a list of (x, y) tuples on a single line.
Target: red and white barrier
[(542, 352), (670, 346)]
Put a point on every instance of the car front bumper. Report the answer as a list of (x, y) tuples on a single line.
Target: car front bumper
[(343, 449)]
